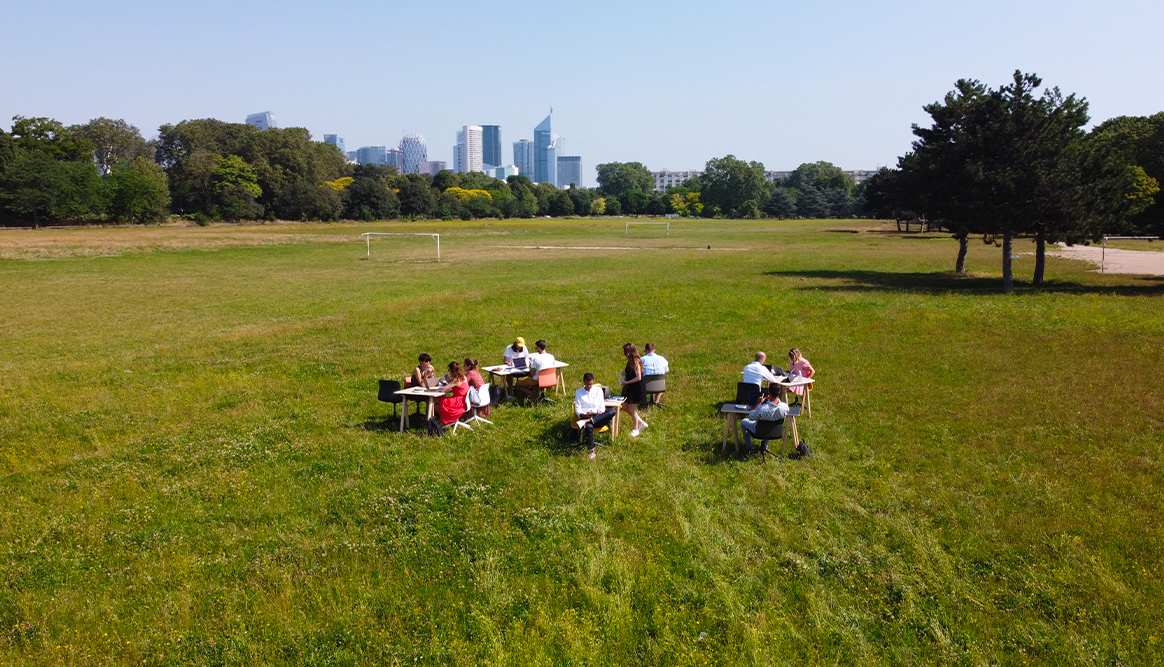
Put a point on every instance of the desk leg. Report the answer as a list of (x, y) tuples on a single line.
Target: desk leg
[(786, 429), (795, 433), (727, 428), (617, 421), (807, 401), (560, 388), (404, 414), (736, 432), (431, 405)]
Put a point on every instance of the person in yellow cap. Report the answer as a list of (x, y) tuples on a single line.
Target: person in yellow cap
[(517, 350)]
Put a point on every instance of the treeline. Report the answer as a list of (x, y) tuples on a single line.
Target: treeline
[(211, 170), (732, 188), (1013, 162)]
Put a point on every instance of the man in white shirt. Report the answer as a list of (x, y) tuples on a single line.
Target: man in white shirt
[(654, 364), (756, 372), (590, 407), (517, 349), (538, 362)]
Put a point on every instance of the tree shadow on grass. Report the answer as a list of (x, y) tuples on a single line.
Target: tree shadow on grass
[(945, 282)]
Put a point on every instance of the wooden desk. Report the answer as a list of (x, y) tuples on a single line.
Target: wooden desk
[(790, 427), (417, 392), (616, 403), (798, 382), (513, 371), (733, 411)]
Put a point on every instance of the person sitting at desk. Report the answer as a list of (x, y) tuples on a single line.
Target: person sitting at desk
[(473, 376), (768, 407), (517, 349), (528, 386), (452, 405), (590, 407), (801, 367), (654, 364), (422, 372), (756, 372)]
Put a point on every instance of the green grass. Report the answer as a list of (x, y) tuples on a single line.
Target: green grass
[(195, 469)]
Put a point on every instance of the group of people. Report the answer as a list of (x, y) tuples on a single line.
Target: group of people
[(590, 401), (769, 406)]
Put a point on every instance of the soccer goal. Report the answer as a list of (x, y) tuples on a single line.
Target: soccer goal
[(626, 232), (368, 238)]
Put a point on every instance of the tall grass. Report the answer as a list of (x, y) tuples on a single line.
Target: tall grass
[(196, 469)]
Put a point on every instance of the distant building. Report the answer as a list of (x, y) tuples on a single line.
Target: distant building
[(569, 171), (351, 156), (432, 168), (502, 172), (414, 151), (671, 179), (335, 140), (523, 157), (394, 157), (263, 121), (773, 176), (376, 155), (467, 156), (544, 139), (491, 146)]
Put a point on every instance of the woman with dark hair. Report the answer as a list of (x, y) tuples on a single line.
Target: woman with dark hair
[(473, 375), (423, 370), (632, 387), (452, 405)]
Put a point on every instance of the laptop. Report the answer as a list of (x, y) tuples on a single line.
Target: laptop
[(431, 383), (521, 362)]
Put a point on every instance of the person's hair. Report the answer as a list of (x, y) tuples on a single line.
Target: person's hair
[(470, 364), (794, 355), (587, 377), (630, 351), (773, 391), (760, 356), (649, 348), (540, 345), (424, 356), (455, 372)]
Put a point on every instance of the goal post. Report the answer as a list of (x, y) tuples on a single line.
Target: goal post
[(626, 232), (368, 239), (1103, 253)]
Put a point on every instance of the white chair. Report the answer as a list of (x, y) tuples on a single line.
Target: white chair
[(478, 398)]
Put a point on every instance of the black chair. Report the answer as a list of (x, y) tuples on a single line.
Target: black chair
[(747, 393), (654, 384), (388, 389), (768, 430)]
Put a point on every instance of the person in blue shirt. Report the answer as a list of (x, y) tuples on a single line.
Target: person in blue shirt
[(654, 364), (769, 408)]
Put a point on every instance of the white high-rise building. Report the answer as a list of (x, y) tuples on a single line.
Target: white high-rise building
[(415, 151), (263, 121), (468, 155)]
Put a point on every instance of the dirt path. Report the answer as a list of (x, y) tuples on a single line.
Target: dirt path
[(1141, 262)]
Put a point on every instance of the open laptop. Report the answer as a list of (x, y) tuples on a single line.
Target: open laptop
[(521, 363), (431, 383)]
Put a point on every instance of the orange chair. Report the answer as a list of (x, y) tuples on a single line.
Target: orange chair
[(547, 379)]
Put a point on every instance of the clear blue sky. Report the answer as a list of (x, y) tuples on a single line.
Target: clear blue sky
[(669, 84)]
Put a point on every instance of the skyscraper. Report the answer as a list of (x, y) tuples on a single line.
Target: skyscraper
[(543, 137), (414, 151), (523, 157), (264, 120), (335, 140), (491, 145), (551, 158), (569, 171), (372, 155), (468, 153)]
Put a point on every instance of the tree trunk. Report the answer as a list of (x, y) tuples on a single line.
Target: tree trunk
[(960, 266), (1040, 261), (1007, 274)]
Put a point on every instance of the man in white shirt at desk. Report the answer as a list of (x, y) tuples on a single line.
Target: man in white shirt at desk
[(590, 408), (517, 349), (654, 364), (538, 362), (756, 372)]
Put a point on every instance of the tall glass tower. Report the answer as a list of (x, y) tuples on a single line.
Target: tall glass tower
[(523, 157), (413, 151), (491, 145), (544, 137)]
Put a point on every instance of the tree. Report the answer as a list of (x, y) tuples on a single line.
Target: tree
[(733, 187), (618, 178), (780, 204), (137, 191), (236, 190), (812, 204), (416, 197), (115, 142), (189, 152), (560, 204), (824, 176), (1140, 142), (598, 206), (48, 172)]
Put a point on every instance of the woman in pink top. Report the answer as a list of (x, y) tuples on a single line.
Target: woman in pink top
[(801, 367), (475, 381)]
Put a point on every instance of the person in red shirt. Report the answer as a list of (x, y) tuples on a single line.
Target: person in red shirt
[(473, 375), (452, 405)]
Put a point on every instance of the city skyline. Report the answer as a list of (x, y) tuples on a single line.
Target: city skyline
[(790, 83)]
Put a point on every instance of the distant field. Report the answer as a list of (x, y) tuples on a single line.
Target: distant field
[(195, 469)]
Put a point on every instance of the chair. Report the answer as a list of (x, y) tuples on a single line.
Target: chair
[(478, 398), (547, 379), (654, 384), (747, 393), (768, 430), (574, 425), (388, 389)]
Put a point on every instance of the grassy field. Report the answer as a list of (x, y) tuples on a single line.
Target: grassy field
[(195, 469)]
